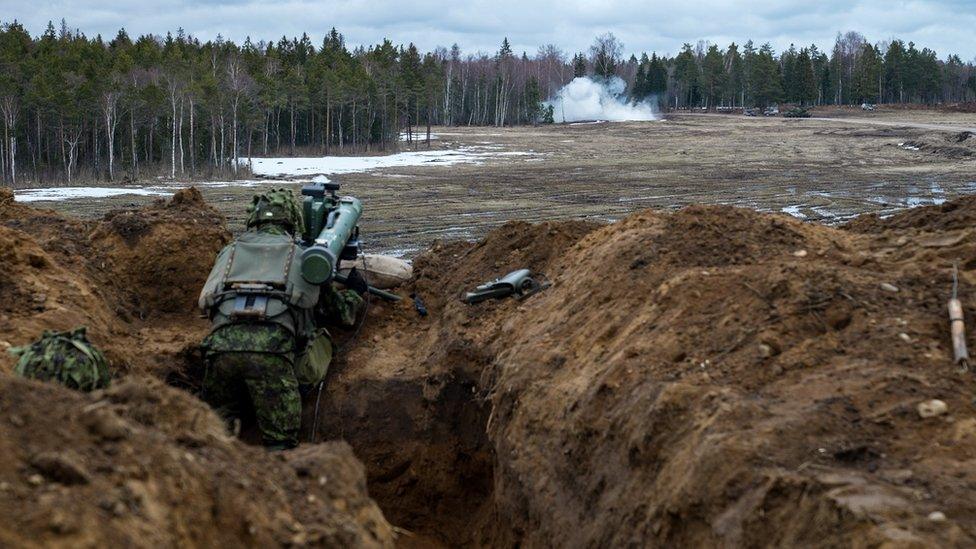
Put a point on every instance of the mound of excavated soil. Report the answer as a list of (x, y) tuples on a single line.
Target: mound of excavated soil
[(713, 376), (159, 256), (145, 465), (132, 277)]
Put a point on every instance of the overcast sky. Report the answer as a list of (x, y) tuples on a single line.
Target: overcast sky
[(947, 26)]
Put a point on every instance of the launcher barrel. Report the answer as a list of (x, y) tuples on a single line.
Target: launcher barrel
[(320, 260)]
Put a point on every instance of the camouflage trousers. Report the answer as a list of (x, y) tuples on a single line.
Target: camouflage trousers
[(270, 382)]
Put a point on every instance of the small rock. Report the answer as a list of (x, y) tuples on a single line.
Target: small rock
[(60, 468), (800, 253), (905, 337), (39, 297), (889, 287), (4, 486), (35, 480), (765, 351), (937, 516), (16, 420), (932, 408), (105, 424), (4, 345)]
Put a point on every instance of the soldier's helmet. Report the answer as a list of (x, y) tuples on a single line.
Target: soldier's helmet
[(276, 206), (67, 358)]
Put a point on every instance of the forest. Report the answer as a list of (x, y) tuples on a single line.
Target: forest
[(79, 109)]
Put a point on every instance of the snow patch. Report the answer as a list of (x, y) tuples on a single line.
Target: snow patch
[(418, 136), (332, 165), (53, 194), (794, 211)]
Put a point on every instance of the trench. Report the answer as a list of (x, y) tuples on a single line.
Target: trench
[(423, 441)]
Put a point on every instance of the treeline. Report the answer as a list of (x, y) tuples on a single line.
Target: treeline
[(75, 107), (853, 72)]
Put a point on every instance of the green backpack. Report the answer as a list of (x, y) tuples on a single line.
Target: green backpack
[(65, 357)]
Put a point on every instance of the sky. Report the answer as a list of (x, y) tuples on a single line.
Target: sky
[(947, 26)]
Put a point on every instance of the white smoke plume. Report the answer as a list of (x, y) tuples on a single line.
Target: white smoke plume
[(587, 99)]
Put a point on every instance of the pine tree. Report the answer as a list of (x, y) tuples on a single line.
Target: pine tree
[(579, 65), (713, 76)]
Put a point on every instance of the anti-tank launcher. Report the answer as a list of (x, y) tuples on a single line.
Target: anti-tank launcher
[(331, 234), (331, 231)]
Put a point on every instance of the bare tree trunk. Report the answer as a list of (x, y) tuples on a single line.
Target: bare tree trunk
[(180, 132), (109, 109), (193, 153), (132, 143), (213, 141), (291, 127), (13, 159), (172, 149), (234, 137), (222, 141)]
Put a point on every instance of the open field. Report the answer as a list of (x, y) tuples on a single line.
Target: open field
[(830, 168)]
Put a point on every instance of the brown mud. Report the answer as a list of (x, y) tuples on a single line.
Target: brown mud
[(712, 376)]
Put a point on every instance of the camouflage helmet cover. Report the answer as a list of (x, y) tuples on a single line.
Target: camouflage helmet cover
[(275, 206), (67, 358)]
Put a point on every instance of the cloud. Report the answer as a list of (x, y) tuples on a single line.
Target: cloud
[(479, 25)]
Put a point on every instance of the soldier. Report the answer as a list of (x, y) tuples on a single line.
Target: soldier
[(67, 358), (267, 337)]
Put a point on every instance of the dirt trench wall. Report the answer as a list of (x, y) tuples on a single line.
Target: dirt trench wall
[(714, 376), (132, 277)]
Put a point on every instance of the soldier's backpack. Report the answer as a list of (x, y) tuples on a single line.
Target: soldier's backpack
[(67, 358)]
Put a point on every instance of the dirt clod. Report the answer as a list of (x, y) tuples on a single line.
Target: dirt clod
[(60, 467)]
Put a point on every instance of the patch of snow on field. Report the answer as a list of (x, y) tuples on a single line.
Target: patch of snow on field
[(211, 184), (52, 194), (332, 165), (418, 136), (794, 211)]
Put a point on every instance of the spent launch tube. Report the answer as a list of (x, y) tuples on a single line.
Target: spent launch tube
[(319, 261)]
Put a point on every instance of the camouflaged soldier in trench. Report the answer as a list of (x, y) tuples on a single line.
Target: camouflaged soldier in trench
[(267, 338)]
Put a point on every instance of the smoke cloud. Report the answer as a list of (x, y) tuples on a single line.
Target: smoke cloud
[(587, 99)]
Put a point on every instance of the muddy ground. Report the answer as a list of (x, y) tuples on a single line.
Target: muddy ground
[(712, 376), (828, 170)]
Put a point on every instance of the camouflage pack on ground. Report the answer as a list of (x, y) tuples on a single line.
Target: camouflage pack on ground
[(65, 357)]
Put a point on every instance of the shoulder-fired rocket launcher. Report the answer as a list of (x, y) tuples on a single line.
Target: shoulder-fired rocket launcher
[(331, 234)]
